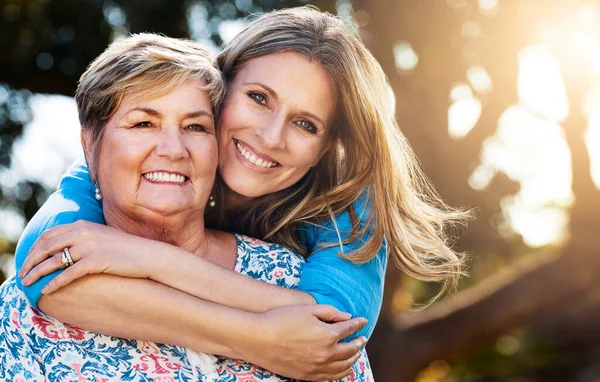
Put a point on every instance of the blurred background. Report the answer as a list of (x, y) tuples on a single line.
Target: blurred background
[(499, 98)]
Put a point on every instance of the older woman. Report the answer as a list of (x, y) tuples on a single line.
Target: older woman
[(146, 106)]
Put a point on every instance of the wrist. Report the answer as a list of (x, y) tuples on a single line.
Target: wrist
[(247, 337), (159, 262)]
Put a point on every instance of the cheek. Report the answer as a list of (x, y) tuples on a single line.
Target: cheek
[(308, 155), (206, 157), (236, 115)]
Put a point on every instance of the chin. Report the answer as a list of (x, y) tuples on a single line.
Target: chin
[(168, 209)]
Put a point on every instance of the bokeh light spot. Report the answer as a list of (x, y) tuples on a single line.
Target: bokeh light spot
[(540, 83), (532, 151), (471, 29), (227, 11), (591, 108), (228, 29), (479, 79), (481, 177), (488, 7), (362, 18), (114, 15), (243, 5), (463, 116), (66, 33), (45, 61), (405, 56), (508, 345), (460, 91), (12, 12)]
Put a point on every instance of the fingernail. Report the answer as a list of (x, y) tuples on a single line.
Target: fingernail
[(25, 281), (45, 289)]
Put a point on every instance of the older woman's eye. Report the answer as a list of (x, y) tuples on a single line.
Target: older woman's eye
[(258, 97), (143, 124), (308, 126), (196, 127)]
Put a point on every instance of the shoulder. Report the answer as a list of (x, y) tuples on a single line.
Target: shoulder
[(268, 262), (339, 228)]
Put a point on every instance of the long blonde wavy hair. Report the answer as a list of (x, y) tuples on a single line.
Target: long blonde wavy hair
[(369, 155)]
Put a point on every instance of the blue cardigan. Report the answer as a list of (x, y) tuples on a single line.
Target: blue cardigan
[(356, 289)]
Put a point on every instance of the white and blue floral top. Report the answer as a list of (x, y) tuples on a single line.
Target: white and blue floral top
[(37, 347)]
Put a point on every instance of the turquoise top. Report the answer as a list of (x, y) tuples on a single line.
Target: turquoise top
[(330, 279)]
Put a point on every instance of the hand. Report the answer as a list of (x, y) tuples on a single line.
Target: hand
[(94, 248), (303, 342)]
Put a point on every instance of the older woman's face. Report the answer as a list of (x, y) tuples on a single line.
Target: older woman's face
[(158, 157), (274, 123)]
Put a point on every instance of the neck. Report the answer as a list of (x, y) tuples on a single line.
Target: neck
[(234, 201), (185, 232)]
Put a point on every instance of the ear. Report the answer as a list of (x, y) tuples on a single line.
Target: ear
[(86, 142)]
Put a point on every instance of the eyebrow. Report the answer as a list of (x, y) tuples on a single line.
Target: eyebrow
[(156, 113), (274, 94)]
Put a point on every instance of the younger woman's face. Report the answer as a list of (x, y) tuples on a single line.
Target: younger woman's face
[(274, 124)]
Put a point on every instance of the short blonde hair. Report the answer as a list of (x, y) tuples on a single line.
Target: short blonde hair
[(146, 64), (370, 155)]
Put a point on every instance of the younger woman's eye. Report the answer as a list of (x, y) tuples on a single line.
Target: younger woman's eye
[(196, 127), (258, 97), (143, 124), (308, 126)]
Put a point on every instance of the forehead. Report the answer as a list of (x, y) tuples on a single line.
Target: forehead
[(293, 77), (189, 94)]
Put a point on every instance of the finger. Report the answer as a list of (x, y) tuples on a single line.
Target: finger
[(46, 249), (69, 275), (50, 234), (344, 374), (341, 316), (346, 350), (46, 267), (341, 369), (346, 328), (328, 313)]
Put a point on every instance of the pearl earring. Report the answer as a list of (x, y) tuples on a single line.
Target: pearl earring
[(98, 192), (211, 201)]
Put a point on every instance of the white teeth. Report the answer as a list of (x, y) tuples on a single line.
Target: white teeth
[(160, 176), (253, 159)]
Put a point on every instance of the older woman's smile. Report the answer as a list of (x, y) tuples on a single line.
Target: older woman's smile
[(165, 177)]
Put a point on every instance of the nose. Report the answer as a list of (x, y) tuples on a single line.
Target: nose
[(171, 144), (272, 133)]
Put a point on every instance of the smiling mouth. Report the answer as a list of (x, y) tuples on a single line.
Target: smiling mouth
[(165, 177), (251, 157)]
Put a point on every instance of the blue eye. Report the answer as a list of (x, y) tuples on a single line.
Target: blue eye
[(196, 127), (258, 97), (308, 126)]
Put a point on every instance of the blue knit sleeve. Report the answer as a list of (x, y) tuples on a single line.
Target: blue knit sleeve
[(333, 280), (73, 200)]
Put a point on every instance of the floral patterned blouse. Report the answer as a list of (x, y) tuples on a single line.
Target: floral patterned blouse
[(36, 347)]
